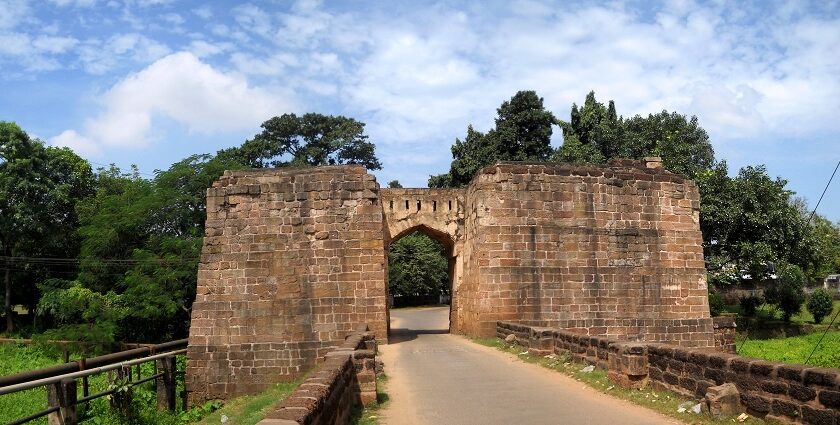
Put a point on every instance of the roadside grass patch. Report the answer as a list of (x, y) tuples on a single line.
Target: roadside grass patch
[(664, 402), (795, 349), (250, 409)]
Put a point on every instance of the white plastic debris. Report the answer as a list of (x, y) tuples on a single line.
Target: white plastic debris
[(224, 419), (588, 369), (696, 409), (683, 407)]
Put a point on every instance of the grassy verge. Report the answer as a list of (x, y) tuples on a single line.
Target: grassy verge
[(795, 349), (664, 402), (16, 358), (248, 410), (370, 415)]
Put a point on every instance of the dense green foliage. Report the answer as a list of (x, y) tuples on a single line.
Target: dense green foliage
[(39, 189), (522, 133), (417, 266), (716, 304), (820, 304), (750, 304), (112, 256), (311, 139), (787, 293), (595, 134)]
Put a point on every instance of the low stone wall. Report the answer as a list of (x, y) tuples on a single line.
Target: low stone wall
[(344, 379), (726, 330), (785, 392)]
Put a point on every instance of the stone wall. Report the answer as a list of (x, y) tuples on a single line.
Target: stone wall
[(293, 260), (786, 392), (612, 251), (726, 330), (344, 381)]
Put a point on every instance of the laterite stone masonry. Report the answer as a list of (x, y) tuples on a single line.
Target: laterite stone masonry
[(295, 259)]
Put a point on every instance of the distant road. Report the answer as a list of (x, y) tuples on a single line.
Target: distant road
[(438, 378)]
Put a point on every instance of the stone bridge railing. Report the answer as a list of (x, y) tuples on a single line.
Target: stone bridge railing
[(785, 392), (344, 380)]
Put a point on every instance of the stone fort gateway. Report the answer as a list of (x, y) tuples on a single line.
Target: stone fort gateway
[(295, 259)]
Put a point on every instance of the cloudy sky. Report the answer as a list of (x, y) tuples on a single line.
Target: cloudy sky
[(149, 82)]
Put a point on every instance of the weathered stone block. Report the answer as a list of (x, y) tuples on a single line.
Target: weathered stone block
[(723, 400)]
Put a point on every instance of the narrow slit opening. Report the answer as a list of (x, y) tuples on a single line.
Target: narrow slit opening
[(406, 204), (392, 205), (434, 205), (418, 205), (450, 205)]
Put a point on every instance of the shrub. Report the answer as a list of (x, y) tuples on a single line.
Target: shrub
[(749, 304), (820, 304), (787, 293), (715, 304)]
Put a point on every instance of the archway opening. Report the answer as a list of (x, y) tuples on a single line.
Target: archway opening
[(420, 279)]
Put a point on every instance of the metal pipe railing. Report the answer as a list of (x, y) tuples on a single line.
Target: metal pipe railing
[(90, 363), (87, 372)]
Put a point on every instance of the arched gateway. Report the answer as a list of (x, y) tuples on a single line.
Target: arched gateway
[(294, 259)]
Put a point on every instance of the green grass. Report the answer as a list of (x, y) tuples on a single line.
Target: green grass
[(795, 349), (664, 402), (248, 410), (16, 358)]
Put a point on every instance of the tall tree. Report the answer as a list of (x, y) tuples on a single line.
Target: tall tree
[(595, 134), (522, 132), (311, 139), (39, 188), (748, 222)]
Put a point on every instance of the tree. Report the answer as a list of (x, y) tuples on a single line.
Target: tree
[(787, 293), (311, 139), (141, 240), (394, 184), (820, 304), (595, 134), (748, 222), (417, 266), (522, 133), (39, 188)]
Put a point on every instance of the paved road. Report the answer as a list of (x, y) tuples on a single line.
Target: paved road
[(438, 378)]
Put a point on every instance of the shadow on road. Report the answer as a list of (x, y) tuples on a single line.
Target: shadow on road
[(398, 335)]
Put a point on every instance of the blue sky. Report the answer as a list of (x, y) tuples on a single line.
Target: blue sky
[(149, 82)]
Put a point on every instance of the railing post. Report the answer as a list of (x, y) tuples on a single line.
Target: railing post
[(63, 395), (166, 383)]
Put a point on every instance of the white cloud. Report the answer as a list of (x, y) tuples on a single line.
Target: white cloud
[(173, 19), (99, 57), (55, 45), (180, 88), (203, 12), (12, 13), (78, 143), (34, 55), (203, 48)]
